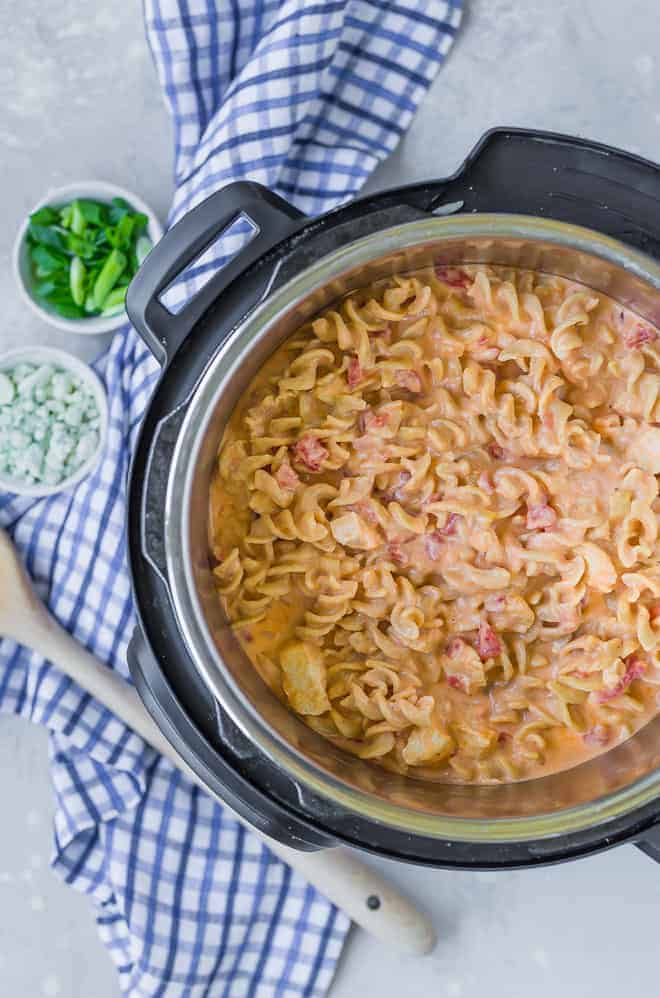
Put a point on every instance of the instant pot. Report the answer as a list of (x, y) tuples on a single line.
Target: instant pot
[(526, 199)]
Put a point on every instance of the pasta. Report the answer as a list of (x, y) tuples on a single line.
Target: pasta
[(434, 523)]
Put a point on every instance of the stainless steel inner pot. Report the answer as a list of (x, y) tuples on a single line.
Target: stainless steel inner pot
[(614, 784)]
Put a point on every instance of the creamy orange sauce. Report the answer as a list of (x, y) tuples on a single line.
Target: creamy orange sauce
[(435, 520)]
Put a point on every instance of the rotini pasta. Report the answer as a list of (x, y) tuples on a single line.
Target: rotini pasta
[(434, 523)]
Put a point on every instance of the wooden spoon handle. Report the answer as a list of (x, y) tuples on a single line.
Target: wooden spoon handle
[(338, 873)]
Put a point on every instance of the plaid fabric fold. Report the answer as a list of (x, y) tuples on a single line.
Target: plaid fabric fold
[(306, 98)]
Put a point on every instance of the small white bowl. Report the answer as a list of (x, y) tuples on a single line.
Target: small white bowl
[(60, 358), (96, 190)]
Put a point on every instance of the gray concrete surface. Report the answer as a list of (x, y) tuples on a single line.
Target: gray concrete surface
[(78, 98)]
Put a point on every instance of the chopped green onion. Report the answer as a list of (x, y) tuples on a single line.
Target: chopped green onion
[(114, 303), (110, 274), (44, 216), (69, 311), (65, 216), (79, 251), (78, 221), (48, 261), (143, 248), (77, 274), (124, 231), (117, 296), (47, 236), (109, 313), (80, 247), (92, 212)]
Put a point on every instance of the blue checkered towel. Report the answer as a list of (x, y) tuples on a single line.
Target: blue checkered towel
[(306, 98)]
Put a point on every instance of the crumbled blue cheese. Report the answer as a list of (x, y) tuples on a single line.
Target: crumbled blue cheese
[(49, 424), (7, 390)]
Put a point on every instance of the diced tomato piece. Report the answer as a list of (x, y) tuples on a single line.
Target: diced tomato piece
[(453, 276), (540, 517), (286, 477), (433, 545), (455, 647), (488, 644), (450, 525), (639, 335), (495, 451), (396, 553), (598, 735), (635, 668), (458, 683), (409, 380), (354, 373), (310, 452), (370, 420)]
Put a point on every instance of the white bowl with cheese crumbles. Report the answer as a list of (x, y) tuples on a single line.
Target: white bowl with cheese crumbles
[(53, 421)]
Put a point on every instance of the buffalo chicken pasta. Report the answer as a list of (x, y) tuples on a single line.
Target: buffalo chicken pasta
[(434, 523)]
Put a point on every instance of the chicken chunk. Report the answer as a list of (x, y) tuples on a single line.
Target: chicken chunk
[(351, 531), (428, 744), (304, 679)]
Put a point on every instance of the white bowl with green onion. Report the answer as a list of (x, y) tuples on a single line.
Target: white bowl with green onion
[(53, 421), (77, 252)]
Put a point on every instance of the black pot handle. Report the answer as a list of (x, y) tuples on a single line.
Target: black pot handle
[(273, 219), (556, 176)]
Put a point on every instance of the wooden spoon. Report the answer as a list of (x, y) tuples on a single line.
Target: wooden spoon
[(344, 879)]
